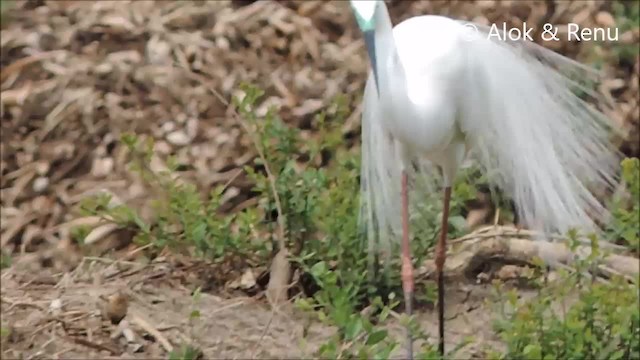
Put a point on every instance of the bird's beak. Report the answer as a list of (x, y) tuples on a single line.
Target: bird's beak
[(370, 42)]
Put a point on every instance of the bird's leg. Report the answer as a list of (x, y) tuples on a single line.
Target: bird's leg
[(407, 266), (441, 249)]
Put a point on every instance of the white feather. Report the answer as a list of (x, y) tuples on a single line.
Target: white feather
[(510, 103)]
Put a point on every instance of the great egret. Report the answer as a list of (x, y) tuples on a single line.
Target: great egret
[(441, 91)]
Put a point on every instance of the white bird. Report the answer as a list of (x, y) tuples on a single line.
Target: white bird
[(441, 91)]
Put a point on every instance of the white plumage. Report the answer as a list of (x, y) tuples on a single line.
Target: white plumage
[(439, 93), (510, 104)]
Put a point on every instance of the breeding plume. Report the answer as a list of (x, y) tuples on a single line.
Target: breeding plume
[(442, 92)]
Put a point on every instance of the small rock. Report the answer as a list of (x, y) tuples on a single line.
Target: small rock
[(127, 333), (102, 167), (509, 272), (482, 278), (40, 184), (158, 51), (168, 126), (116, 308), (248, 280), (616, 84), (103, 69), (192, 127), (56, 306), (179, 138), (222, 43)]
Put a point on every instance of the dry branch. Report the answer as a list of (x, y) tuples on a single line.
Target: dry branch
[(151, 330), (471, 253)]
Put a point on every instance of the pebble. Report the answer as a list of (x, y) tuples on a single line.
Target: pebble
[(168, 126), (40, 184), (102, 166), (178, 138)]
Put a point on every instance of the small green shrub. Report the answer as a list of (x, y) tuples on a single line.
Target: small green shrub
[(186, 352), (573, 317), (625, 224), (183, 219), (5, 260), (627, 16)]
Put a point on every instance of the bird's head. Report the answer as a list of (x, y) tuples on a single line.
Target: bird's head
[(365, 13)]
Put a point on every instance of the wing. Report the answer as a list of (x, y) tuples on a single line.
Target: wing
[(533, 136)]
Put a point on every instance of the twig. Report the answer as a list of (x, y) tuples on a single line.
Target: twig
[(346, 346), (26, 61), (93, 345), (227, 307), (13, 304), (153, 332), (110, 261), (274, 309), (609, 271), (131, 253), (235, 176), (264, 332), (495, 231)]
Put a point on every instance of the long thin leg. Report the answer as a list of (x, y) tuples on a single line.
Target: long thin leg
[(440, 258), (407, 266)]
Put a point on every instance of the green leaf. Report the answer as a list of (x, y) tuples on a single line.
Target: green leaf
[(197, 293), (532, 351), (376, 337), (353, 329), (319, 269), (195, 314), (458, 222), (4, 332)]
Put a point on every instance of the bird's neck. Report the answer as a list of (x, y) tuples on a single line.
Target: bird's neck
[(390, 70)]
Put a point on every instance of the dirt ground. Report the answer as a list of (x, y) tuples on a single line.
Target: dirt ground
[(66, 316), (78, 74)]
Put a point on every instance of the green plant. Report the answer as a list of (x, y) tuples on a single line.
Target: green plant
[(322, 227), (317, 182), (183, 219), (5, 5), (5, 260), (190, 351), (627, 16), (357, 336), (186, 352), (625, 224), (79, 233), (573, 317)]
